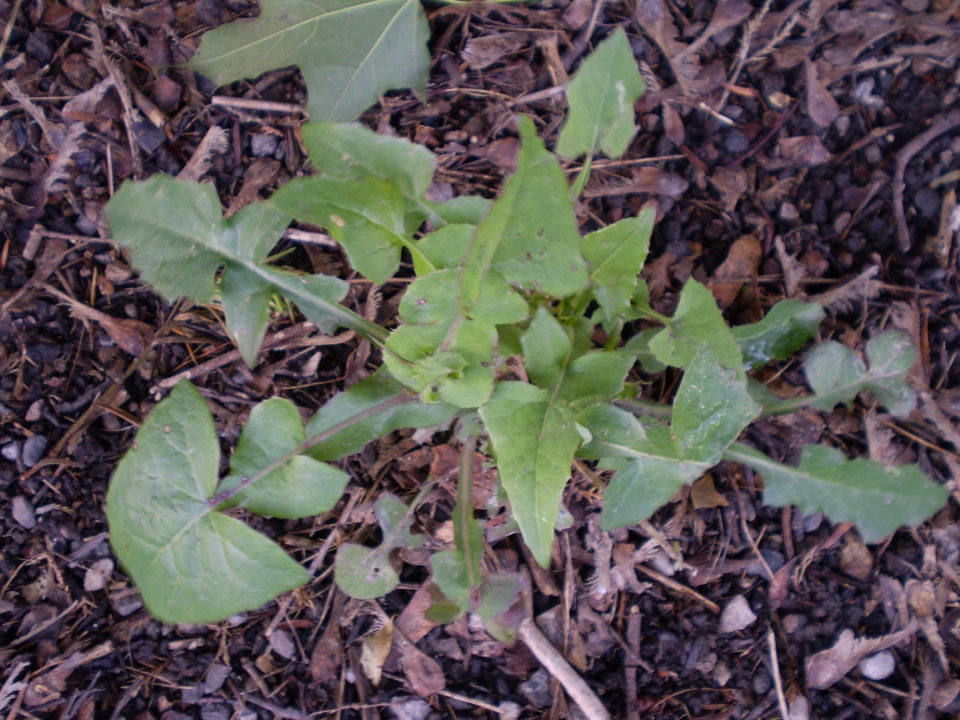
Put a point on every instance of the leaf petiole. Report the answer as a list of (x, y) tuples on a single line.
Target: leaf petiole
[(582, 178)]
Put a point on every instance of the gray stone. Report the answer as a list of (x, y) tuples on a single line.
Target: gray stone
[(11, 451), (842, 124), (927, 202), (761, 682), (217, 711), (409, 709), (812, 522), (263, 144), (191, 695), (537, 689), (737, 615), (879, 666), (33, 449), (128, 605), (789, 212), (23, 512), (34, 411), (736, 142), (873, 154), (916, 6), (216, 676)]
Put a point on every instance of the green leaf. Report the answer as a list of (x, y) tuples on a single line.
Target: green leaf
[(530, 236), (191, 563), (360, 397), (534, 430), (652, 460), (696, 323), (837, 375), (601, 97), (783, 331), (365, 573), (301, 488), (445, 247), (365, 215), (639, 347), (617, 254), (349, 52), (179, 253), (878, 498)]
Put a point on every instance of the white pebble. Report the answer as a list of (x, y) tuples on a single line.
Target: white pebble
[(737, 615), (879, 666)]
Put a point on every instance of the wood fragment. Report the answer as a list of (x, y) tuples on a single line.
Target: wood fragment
[(682, 589)]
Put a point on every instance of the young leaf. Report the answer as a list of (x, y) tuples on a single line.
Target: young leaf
[(783, 331), (365, 573), (652, 460), (365, 214), (534, 430), (179, 252), (349, 53), (191, 563), (363, 396), (530, 236), (878, 498), (617, 254), (601, 97), (837, 375), (696, 323), (301, 488)]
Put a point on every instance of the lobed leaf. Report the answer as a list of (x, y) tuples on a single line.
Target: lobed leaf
[(179, 253), (190, 562), (837, 375), (534, 429), (782, 331), (601, 97), (878, 498), (350, 52), (696, 323), (617, 254)]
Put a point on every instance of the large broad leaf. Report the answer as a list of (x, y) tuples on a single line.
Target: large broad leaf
[(190, 562), (783, 331), (366, 573), (878, 498), (530, 236), (652, 460), (362, 397), (837, 375), (534, 429), (302, 487), (601, 97), (697, 323), (349, 51), (616, 254), (178, 251)]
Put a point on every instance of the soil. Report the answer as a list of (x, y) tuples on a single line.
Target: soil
[(705, 611)]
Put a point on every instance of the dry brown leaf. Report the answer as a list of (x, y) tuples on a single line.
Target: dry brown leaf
[(821, 105), (741, 263), (327, 655), (704, 494), (262, 172), (798, 152), (413, 622), (131, 336), (880, 439), (673, 124), (828, 666), (851, 295), (732, 183), (376, 647), (482, 52), (792, 271), (421, 671), (644, 180), (577, 15), (503, 153), (657, 274)]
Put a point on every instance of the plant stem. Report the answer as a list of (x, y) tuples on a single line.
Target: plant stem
[(320, 437), (465, 507), (555, 664), (645, 407), (582, 178)]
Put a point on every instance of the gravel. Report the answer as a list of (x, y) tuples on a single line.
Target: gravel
[(33, 449)]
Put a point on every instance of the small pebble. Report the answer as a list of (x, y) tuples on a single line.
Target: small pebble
[(98, 575), (216, 676), (263, 144), (11, 451), (843, 219), (842, 124), (799, 708), (734, 112), (537, 689), (879, 666), (927, 202), (33, 412), (761, 682), (736, 142), (128, 605), (789, 212), (873, 155), (282, 645), (23, 512), (33, 449), (812, 522), (736, 616), (85, 226), (722, 674), (916, 6), (411, 709), (792, 623)]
